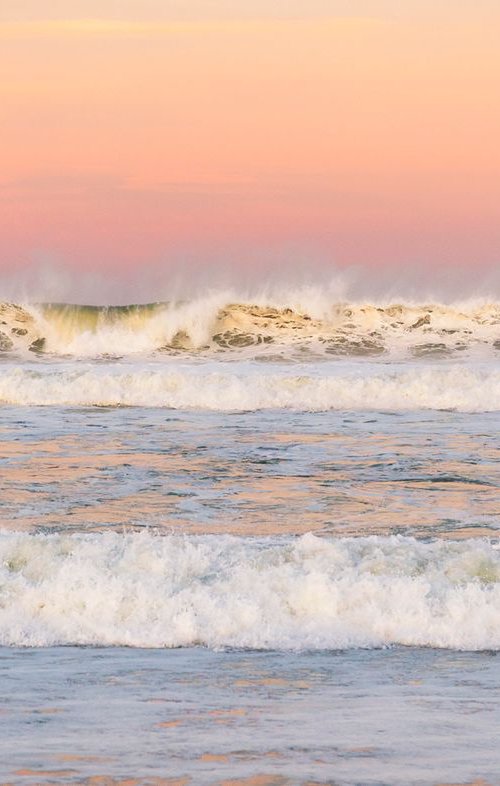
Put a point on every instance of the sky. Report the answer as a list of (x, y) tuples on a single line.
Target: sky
[(323, 134)]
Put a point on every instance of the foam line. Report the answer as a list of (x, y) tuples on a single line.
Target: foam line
[(142, 590)]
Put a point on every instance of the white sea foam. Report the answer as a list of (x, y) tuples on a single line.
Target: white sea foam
[(309, 318), (143, 590), (245, 386)]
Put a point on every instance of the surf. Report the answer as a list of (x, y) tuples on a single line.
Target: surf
[(219, 324), (305, 593), (246, 387)]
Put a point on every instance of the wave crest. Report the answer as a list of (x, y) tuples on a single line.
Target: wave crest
[(217, 323)]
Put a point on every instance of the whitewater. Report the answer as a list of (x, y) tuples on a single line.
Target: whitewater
[(306, 323), (244, 387), (215, 352), (274, 516), (305, 594)]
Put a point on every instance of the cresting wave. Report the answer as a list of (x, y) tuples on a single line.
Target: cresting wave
[(142, 590), (249, 387), (219, 323)]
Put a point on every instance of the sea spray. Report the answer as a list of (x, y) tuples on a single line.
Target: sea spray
[(219, 321)]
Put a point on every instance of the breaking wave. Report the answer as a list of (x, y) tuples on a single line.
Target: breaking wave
[(218, 323), (248, 387), (143, 590)]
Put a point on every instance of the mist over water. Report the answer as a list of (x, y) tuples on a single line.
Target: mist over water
[(303, 308), (265, 277)]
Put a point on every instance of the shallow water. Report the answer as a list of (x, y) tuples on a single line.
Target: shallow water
[(358, 717), (277, 472), (301, 557)]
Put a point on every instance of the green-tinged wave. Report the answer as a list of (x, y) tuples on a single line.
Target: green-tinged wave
[(217, 323)]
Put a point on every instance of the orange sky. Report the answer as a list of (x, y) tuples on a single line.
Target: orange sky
[(136, 133)]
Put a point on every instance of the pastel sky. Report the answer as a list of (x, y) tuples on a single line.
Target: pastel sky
[(148, 132)]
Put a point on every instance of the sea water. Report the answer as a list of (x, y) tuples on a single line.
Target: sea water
[(233, 564)]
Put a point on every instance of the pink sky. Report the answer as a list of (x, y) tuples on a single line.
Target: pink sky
[(136, 134)]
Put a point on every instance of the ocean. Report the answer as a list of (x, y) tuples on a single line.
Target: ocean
[(250, 541)]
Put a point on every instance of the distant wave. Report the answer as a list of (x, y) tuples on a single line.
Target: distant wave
[(245, 387), (217, 324), (142, 590)]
